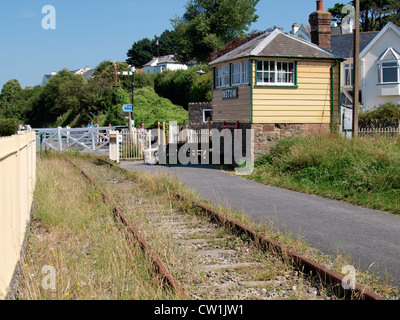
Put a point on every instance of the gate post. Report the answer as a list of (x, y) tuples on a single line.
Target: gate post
[(59, 139), (93, 138), (114, 146)]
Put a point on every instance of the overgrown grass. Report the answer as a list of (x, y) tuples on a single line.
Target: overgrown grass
[(94, 256), (363, 171), (75, 234)]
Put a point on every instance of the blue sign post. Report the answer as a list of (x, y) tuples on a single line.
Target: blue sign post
[(127, 108)]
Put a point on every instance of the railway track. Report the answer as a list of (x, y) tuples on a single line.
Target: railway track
[(204, 255)]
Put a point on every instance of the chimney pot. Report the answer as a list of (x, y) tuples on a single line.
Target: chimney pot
[(320, 5), (320, 22)]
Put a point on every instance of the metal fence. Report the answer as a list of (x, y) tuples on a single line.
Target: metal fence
[(387, 132), (17, 183), (132, 146)]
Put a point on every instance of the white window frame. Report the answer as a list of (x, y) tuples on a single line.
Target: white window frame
[(381, 67), (348, 68), (271, 68), (204, 114), (222, 76), (240, 71)]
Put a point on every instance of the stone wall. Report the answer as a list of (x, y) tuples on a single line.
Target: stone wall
[(267, 135), (195, 110)]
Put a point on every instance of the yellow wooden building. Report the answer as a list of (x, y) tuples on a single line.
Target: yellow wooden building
[(277, 84)]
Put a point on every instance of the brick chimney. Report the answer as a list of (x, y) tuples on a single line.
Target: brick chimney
[(320, 22)]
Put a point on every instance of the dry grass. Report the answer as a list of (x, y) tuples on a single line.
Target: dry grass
[(74, 232)]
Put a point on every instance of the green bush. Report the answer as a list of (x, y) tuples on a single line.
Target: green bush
[(8, 127), (381, 116), (150, 108), (184, 86)]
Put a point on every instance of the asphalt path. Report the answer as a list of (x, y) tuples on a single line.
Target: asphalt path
[(370, 237)]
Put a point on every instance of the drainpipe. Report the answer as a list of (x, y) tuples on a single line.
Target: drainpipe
[(333, 95), (364, 84)]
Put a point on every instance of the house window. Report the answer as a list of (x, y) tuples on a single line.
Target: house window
[(222, 76), (348, 74), (240, 73), (207, 113), (388, 72), (275, 73)]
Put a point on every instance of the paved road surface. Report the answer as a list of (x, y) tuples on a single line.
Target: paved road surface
[(369, 236)]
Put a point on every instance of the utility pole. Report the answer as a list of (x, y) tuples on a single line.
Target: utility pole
[(356, 63), (128, 73), (133, 86)]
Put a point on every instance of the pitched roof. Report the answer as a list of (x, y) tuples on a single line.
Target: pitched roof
[(167, 59), (390, 54), (276, 44), (342, 44), (164, 59), (88, 74), (151, 62), (388, 26)]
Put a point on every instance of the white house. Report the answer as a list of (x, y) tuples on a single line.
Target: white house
[(380, 68), (87, 73), (160, 64), (379, 59)]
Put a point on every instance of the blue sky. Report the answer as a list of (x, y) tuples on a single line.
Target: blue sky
[(90, 31)]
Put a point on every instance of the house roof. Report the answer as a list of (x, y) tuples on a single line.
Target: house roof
[(88, 74), (389, 26), (276, 44), (390, 54), (342, 44), (167, 59), (151, 62), (164, 59)]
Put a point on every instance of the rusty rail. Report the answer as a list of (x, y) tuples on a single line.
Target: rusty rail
[(159, 266), (300, 262)]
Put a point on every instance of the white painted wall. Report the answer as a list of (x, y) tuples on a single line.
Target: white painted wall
[(372, 91)]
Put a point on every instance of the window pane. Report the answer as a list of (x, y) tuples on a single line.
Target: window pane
[(236, 73), (245, 73), (389, 74), (260, 65), (389, 64), (271, 65)]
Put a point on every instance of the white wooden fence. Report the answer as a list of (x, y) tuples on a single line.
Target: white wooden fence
[(82, 139), (17, 183)]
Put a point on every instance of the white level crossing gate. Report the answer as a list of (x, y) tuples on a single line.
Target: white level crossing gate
[(81, 139)]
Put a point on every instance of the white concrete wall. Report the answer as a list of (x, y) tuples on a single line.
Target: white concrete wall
[(372, 91)]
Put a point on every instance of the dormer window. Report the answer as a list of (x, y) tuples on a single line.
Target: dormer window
[(389, 67)]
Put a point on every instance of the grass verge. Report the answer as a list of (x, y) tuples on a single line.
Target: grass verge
[(77, 249), (363, 171)]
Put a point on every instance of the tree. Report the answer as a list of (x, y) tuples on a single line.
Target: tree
[(208, 25), (10, 96), (141, 52), (144, 50), (337, 12), (374, 14), (184, 86), (11, 91), (394, 11)]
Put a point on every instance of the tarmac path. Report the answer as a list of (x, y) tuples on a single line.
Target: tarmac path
[(370, 237)]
